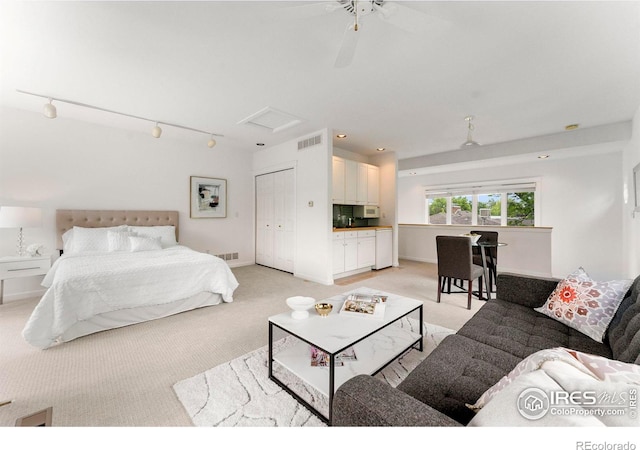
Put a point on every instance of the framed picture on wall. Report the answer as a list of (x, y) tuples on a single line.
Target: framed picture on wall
[(208, 198)]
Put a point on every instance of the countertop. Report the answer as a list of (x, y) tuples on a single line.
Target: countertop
[(379, 227)]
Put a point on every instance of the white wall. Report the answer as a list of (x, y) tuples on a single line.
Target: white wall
[(68, 164), (631, 222), (418, 243), (580, 198), (313, 223)]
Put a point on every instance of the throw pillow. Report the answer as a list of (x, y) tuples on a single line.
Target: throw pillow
[(166, 233), (584, 304), (143, 244)]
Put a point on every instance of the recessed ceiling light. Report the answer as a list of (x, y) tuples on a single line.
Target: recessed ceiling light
[(573, 126), (260, 144), (381, 149), (341, 136), (413, 173), (543, 156)]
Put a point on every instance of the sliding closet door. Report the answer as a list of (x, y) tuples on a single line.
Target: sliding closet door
[(275, 220)]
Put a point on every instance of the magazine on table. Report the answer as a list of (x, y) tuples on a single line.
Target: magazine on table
[(364, 305), (321, 359)]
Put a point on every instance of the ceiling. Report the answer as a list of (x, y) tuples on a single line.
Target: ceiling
[(522, 69)]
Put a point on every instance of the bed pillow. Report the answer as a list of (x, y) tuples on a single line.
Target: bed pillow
[(166, 233), (67, 241), (143, 243), (118, 240), (584, 304), (90, 239)]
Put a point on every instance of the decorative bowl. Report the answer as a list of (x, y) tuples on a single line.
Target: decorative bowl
[(324, 309), (300, 306)]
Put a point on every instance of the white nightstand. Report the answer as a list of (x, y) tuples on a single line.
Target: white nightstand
[(22, 266)]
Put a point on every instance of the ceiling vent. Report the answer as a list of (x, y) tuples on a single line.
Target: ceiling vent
[(272, 119), (310, 142)]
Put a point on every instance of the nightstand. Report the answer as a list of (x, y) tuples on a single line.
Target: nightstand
[(22, 266)]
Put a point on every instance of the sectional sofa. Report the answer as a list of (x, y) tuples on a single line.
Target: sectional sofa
[(503, 333)]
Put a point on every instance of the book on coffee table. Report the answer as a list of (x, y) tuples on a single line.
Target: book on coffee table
[(364, 305), (321, 359)]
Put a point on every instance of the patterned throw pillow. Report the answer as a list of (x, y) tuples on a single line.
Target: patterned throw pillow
[(584, 304)]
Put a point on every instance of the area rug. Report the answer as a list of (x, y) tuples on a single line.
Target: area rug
[(239, 393)]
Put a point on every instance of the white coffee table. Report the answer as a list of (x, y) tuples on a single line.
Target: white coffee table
[(377, 343)]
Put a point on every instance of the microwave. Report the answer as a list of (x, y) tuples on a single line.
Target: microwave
[(366, 212)]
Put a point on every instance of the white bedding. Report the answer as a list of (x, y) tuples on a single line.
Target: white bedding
[(87, 285)]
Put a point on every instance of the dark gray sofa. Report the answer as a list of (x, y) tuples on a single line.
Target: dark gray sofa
[(500, 335)]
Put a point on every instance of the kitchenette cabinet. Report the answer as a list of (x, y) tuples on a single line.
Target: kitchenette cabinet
[(353, 250), (355, 183)]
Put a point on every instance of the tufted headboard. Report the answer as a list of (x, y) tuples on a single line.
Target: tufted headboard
[(68, 218)]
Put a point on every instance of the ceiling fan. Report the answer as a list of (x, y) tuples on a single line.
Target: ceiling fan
[(403, 17)]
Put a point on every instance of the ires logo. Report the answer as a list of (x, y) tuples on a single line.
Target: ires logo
[(534, 403)]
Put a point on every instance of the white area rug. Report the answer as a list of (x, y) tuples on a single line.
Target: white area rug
[(240, 393)]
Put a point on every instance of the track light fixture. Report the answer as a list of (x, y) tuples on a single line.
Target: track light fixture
[(50, 110), (212, 142), (469, 142), (156, 132)]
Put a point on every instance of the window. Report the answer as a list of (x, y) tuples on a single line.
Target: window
[(511, 203)]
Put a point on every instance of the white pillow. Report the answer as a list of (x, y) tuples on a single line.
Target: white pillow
[(67, 241), (166, 233), (118, 240), (142, 243), (91, 239)]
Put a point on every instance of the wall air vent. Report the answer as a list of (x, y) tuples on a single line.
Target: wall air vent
[(271, 119), (309, 142)]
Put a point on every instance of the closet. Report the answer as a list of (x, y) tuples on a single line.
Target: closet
[(275, 220)]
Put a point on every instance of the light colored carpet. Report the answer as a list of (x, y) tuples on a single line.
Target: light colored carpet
[(124, 377), (239, 393)]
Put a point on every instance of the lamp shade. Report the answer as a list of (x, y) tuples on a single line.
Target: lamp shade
[(20, 217)]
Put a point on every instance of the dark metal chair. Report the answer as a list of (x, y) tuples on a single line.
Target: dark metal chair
[(491, 254), (455, 261)]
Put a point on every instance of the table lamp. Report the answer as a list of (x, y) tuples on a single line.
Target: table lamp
[(20, 217)]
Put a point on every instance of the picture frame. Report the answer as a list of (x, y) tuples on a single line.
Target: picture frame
[(208, 198), (636, 188)]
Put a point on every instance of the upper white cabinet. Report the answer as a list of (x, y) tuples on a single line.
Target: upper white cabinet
[(355, 183), (338, 180), (373, 185)]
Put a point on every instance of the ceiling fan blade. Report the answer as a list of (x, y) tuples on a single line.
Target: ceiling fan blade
[(347, 47), (409, 19), (306, 11)]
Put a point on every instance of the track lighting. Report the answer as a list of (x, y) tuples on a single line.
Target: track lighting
[(50, 110), (156, 132)]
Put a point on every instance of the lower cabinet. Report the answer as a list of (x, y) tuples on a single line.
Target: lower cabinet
[(353, 250)]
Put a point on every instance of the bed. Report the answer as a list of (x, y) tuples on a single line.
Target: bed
[(120, 268)]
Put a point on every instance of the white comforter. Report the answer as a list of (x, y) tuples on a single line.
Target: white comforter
[(86, 285)]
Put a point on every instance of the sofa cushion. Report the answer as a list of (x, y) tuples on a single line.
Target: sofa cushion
[(623, 334), (521, 331), (456, 373), (524, 289)]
